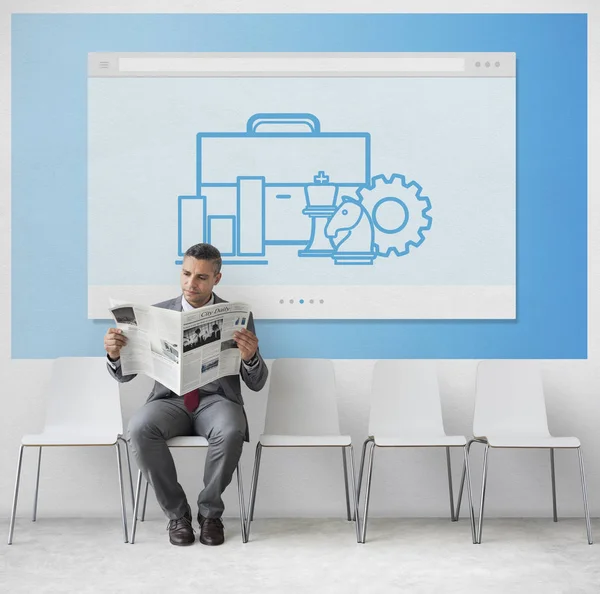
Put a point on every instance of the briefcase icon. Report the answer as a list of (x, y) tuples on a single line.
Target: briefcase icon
[(252, 185)]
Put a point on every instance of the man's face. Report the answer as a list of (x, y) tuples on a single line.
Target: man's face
[(197, 280)]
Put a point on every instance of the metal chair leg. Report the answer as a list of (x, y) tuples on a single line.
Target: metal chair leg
[(368, 492), (588, 524), (243, 520), (361, 467), (462, 482), (483, 485), (460, 492), (37, 485), (450, 490), (124, 442), (145, 502), (554, 512), (123, 512), (253, 486), (354, 497), (15, 496), (470, 495), (348, 514), (136, 503)]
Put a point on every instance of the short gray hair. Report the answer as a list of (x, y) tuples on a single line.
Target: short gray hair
[(206, 251)]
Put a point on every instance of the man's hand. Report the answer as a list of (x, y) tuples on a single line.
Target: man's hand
[(247, 343), (114, 341)]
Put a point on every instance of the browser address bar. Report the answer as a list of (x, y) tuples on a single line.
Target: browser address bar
[(291, 65)]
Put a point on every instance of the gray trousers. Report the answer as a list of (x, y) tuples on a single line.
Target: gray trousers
[(221, 421)]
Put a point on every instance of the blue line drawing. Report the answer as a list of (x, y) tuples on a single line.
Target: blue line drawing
[(284, 242), (182, 201), (222, 241), (355, 246), (399, 212), (307, 119), (251, 216), (284, 164), (320, 206)]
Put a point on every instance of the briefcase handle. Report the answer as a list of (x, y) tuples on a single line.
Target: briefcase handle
[(308, 119)]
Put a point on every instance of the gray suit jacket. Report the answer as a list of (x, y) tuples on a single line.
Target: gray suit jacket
[(230, 387)]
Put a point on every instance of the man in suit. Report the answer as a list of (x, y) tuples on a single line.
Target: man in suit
[(214, 411)]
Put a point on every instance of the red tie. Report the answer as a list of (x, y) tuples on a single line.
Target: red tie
[(192, 399)]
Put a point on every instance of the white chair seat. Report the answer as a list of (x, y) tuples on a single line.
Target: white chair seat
[(69, 437), (510, 412), (531, 441), (302, 412), (406, 412), (420, 441), (188, 441), (83, 408), (339, 441)]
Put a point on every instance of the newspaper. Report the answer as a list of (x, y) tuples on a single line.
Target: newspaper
[(181, 350)]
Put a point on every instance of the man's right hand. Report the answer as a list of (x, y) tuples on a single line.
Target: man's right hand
[(114, 341)]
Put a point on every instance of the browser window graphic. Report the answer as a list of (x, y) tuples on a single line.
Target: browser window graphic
[(336, 186)]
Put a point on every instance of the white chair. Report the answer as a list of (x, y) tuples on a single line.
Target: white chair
[(302, 412), (510, 412), (186, 441), (406, 412), (83, 408)]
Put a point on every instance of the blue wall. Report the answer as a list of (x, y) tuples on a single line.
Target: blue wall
[(49, 194)]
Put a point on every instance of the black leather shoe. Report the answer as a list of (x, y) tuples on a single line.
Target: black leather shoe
[(211, 530), (181, 532)]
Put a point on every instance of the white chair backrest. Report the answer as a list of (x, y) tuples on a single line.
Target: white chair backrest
[(302, 398), (82, 394), (509, 399), (405, 399)]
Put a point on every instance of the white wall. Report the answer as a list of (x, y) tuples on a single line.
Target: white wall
[(77, 482)]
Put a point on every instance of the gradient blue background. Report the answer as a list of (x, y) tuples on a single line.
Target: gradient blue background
[(49, 160)]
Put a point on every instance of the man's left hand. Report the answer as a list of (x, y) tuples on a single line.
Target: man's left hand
[(247, 343)]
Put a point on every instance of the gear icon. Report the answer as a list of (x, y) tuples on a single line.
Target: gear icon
[(399, 213)]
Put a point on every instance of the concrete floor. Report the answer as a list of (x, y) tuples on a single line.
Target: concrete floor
[(303, 555)]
